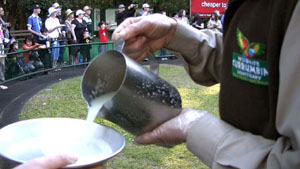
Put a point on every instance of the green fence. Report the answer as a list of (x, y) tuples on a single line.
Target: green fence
[(12, 70), (12, 67)]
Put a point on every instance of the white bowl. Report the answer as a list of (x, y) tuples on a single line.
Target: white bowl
[(90, 142)]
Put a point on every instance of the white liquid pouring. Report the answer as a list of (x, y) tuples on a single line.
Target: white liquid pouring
[(83, 143), (97, 104)]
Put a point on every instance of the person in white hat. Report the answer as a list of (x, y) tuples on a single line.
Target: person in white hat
[(62, 35), (54, 30), (146, 10), (79, 26), (87, 18)]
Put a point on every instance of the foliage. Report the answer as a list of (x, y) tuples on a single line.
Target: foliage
[(64, 100)]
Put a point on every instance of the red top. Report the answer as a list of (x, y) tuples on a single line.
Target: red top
[(103, 35), (27, 54)]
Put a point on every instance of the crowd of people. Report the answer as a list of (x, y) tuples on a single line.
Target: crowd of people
[(58, 31), (257, 69), (55, 31)]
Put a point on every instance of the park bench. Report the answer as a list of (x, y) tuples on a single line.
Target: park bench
[(20, 35)]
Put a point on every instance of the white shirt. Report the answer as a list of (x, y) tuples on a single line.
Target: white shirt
[(87, 19), (50, 24), (184, 20)]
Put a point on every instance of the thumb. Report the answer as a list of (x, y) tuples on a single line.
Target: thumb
[(58, 161), (149, 138), (50, 162)]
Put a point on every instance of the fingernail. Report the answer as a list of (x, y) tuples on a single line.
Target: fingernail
[(139, 140)]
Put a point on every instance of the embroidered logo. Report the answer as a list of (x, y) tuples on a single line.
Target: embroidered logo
[(244, 66), (249, 49)]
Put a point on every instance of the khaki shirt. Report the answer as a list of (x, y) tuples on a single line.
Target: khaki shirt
[(217, 143)]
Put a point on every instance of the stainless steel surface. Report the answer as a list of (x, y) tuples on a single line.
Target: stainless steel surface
[(91, 142), (120, 44), (154, 64), (143, 100)]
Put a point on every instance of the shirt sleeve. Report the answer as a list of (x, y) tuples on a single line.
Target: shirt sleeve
[(130, 13), (219, 27), (222, 146), (48, 24), (208, 44), (29, 22), (120, 15), (26, 47), (209, 25)]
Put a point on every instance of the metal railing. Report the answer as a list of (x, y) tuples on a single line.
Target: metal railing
[(9, 60)]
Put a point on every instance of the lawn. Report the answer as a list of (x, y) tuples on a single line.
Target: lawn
[(64, 100)]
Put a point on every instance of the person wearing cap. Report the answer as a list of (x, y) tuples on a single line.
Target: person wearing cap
[(146, 10), (54, 31), (34, 22), (87, 18), (103, 29), (124, 13)]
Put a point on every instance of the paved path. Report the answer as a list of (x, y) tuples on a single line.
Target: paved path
[(13, 99)]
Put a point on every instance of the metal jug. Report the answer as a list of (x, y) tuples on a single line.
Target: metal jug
[(142, 100)]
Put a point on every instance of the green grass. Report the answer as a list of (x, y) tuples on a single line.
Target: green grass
[(64, 100)]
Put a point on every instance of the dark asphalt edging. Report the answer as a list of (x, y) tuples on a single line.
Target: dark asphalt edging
[(19, 92)]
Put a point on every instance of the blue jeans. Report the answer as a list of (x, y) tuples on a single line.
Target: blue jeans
[(102, 48), (61, 53), (55, 51), (163, 52)]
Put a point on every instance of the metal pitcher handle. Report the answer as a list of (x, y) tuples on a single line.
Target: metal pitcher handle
[(154, 64)]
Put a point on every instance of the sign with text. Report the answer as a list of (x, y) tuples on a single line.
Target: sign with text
[(206, 7)]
